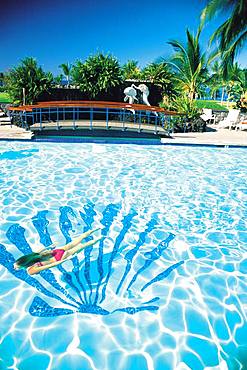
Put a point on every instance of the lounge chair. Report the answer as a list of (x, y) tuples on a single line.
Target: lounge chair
[(231, 119), (242, 125), (207, 115)]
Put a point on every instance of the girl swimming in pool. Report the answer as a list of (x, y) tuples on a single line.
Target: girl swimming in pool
[(45, 259)]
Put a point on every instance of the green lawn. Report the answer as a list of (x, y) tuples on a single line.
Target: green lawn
[(211, 104), (4, 98)]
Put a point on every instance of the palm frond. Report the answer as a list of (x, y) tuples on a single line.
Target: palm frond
[(229, 54), (232, 29), (189, 63), (214, 7)]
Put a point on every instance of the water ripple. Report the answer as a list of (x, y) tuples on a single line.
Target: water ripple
[(175, 251)]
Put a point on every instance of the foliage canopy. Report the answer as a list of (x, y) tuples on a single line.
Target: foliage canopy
[(189, 64), (97, 75), (131, 71), (30, 77), (232, 34)]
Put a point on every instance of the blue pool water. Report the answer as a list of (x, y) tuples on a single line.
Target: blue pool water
[(165, 289)]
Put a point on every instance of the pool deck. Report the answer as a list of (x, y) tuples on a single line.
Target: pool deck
[(13, 132), (213, 137)]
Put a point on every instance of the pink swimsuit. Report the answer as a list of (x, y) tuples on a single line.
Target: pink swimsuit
[(58, 254)]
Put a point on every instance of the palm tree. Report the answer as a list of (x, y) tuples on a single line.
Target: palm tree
[(66, 68), (189, 64), (217, 81), (237, 83), (58, 79), (1, 78), (131, 70), (214, 81), (232, 33), (239, 76)]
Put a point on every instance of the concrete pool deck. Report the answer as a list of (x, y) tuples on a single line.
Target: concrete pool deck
[(8, 131), (213, 137)]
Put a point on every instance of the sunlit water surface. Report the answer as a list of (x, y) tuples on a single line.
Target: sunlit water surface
[(165, 289)]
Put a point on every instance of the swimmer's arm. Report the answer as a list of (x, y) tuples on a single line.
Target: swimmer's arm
[(37, 269), (32, 270), (43, 249)]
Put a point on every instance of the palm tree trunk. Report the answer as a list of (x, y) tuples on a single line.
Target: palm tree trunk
[(222, 95), (191, 95)]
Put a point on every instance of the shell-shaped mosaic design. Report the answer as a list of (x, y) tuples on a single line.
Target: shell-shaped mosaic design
[(84, 287)]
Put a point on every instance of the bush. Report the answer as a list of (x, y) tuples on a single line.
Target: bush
[(183, 105), (242, 104), (30, 77), (97, 75), (190, 115), (159, 75), (236, 94)]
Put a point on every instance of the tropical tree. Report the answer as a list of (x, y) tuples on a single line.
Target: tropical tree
[(214, 81), (66, 69), (131, 70), (189, 64), (217, 81), (239, 76), (98, 74), (1, 78), (237, 85), (232, 34), (2, 88), (159, 74), (27, 81), (58, 79)]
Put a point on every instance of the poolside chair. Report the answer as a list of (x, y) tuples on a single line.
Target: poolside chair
[(207, 115), (242, 125), (231, 119)]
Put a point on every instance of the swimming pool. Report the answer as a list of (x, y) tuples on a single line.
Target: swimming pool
[(165, 289)]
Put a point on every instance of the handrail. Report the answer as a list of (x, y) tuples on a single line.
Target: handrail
[(84, 115), (92, 104)]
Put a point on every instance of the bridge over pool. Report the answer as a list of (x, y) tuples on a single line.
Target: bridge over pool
[(94, 118)]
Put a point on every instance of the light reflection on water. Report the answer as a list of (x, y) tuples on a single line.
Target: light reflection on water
[(199, 195)]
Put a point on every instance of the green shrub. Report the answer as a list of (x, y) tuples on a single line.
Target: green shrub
[(159, 75), (130, 70), (189, 120), (98, 74), (184, 105), (29, 76)]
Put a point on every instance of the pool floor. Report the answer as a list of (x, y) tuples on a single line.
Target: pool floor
[(165, 287)]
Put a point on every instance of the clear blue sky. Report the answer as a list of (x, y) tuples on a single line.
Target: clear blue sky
[(58, 31)]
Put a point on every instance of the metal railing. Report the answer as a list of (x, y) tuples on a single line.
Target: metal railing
[(93, 115)]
